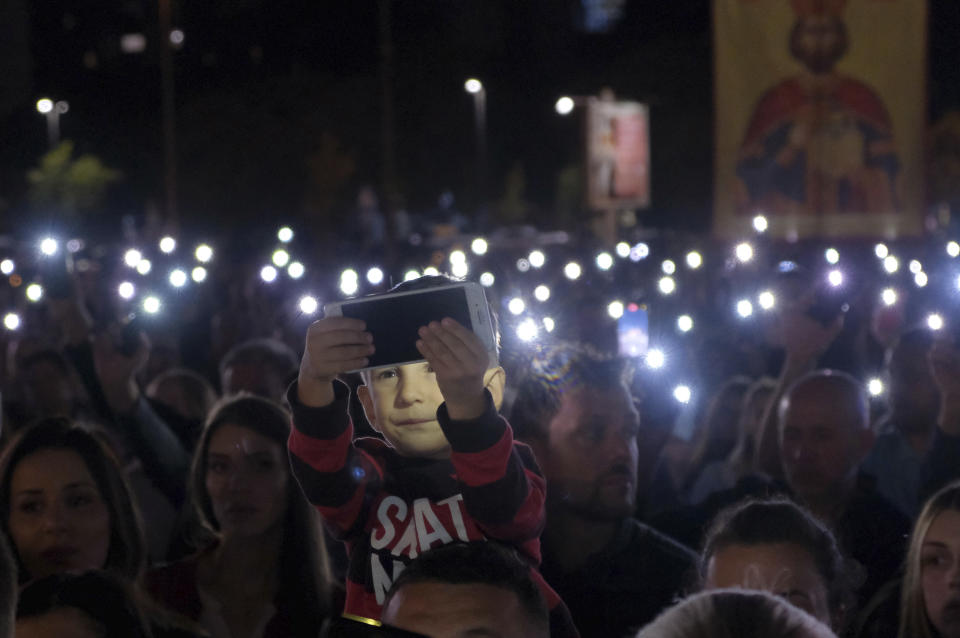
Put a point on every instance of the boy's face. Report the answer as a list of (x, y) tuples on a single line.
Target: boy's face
[(401, 403)]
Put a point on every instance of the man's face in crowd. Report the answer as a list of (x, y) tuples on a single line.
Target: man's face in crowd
[(913, 394), (442, 610), (590, 459), (823, 437)]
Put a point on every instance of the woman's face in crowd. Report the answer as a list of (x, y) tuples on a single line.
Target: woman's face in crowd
[(58, 519), (65, 622), (783, 569), (246, 480), (940, 573)]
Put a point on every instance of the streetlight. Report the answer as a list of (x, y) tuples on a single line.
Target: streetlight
[(52, 110), (475, 88)]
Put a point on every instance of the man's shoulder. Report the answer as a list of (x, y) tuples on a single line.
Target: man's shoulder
[(651, 546)]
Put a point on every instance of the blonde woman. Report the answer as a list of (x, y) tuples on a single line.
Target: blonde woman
[(930, 607)]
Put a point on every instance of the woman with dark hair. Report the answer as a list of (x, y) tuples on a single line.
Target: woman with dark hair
[(777, 546), (65, 505), (930, 606), (266, 573), (88, 605)]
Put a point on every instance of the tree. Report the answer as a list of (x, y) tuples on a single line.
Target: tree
[(69, 186)]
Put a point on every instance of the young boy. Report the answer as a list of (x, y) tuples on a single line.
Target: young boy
[(448, 468)]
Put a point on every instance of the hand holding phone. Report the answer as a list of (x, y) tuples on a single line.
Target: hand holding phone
[(334, 345), (460, 360)]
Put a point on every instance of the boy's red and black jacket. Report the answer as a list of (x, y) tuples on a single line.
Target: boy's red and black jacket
[(389, 508)]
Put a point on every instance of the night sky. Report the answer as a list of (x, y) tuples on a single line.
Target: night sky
[(279, 103)]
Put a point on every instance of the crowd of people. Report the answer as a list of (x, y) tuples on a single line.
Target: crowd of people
[(216, 482)]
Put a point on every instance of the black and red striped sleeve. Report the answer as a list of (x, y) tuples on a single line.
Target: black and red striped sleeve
[(503, 489), (335, 476)]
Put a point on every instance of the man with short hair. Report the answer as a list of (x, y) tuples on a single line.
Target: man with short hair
[(468, 589), (616, 574), (261, 366)]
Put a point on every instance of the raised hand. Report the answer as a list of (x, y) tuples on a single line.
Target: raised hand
[(460, 360), (334, 345)]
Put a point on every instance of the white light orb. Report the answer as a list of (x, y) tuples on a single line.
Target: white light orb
[(144, 267), (684, 323), (178, 278), (920, 279), (516, 306), (915, 266), (564, 105), (694, 260), (656, 359), (296, 270), (285, 234), (549, 324), (523, 264), (541, 292), (411, 274), (34, 292), (11, 321), (875, 387), (126, 290), (572, 270), (623, 249), (881, 251), (682, 394), (268, 274), (667, 285), (203, 253), (604, 261), (7, 266), (479, 246), (132, 257), (375, 276), (891, 264), (934, 321), (460, 269), (527, 330), (473, 85), (744, 308), (280, 258), (766, 300), (832, 255), (888, 296), (953, 249), (744, 252), (458, 257), (639, 252), (537, 259), (198, 274), (349, 287), (835, 278), (615, 309), (760, 224), (151, 304), (308, 305), (487, 279), (44, 105), (168, 245), (668, 267)]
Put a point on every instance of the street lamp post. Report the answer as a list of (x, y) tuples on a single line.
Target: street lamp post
[(476, 89), (52, 110)]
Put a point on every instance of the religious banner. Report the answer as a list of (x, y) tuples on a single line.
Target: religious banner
[(820, 116), (618, 155)]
